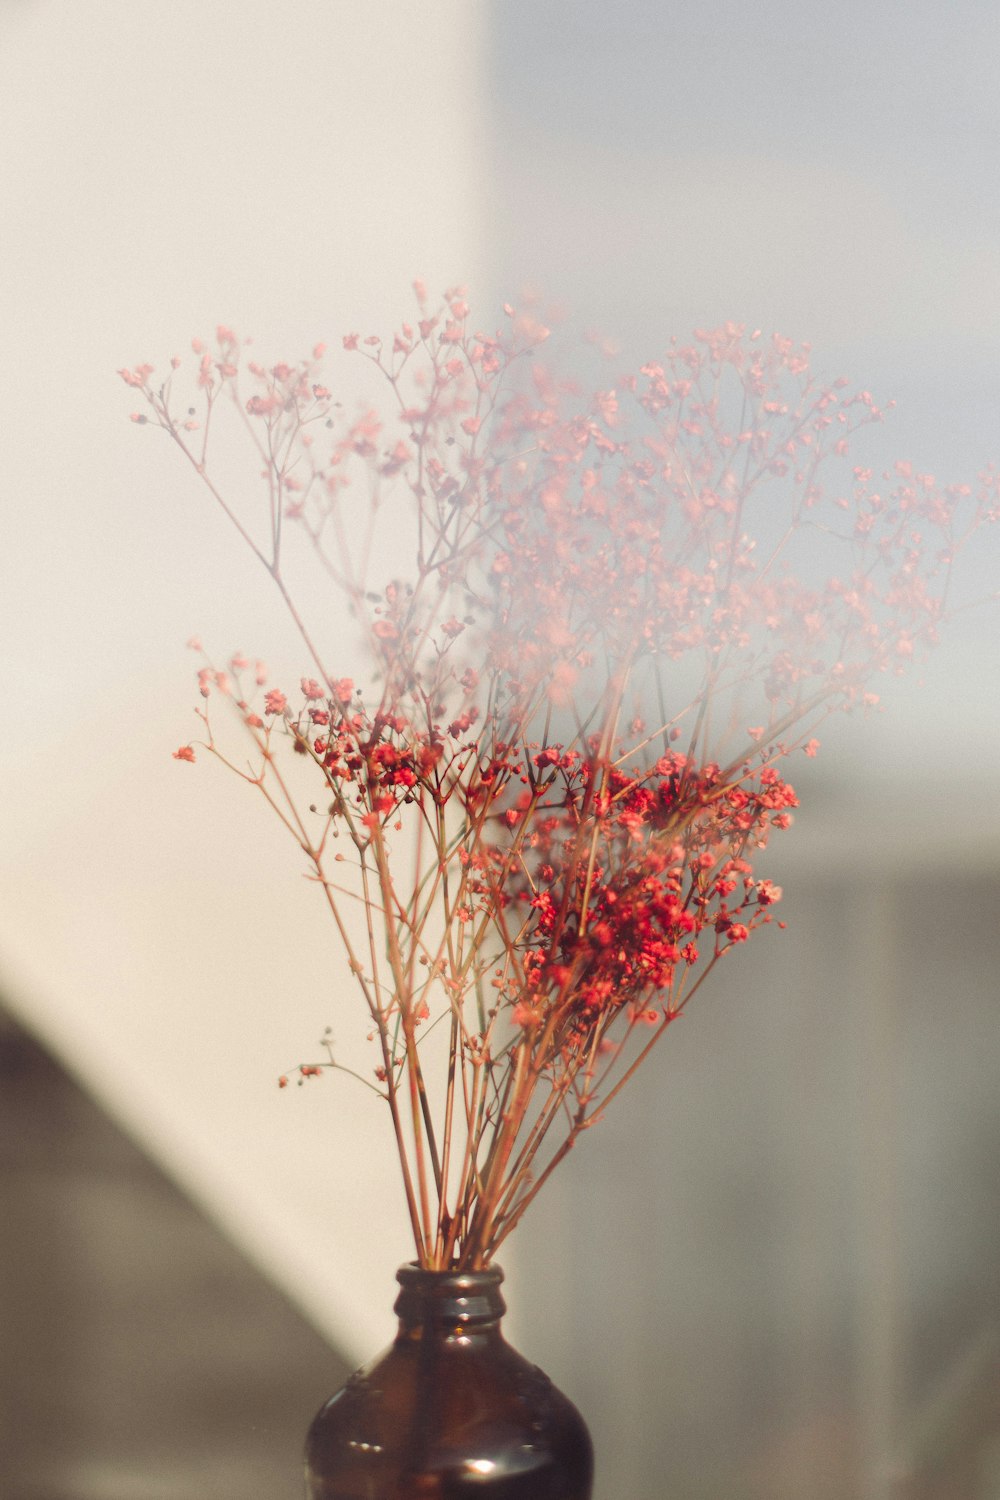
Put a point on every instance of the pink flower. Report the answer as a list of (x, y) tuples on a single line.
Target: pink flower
[(137, 377), (260, 406)]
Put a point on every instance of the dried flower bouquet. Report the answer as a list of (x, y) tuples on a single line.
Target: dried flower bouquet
[(547, 772)]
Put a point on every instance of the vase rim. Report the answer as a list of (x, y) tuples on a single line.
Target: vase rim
[(451, 1300), (412, 1275)]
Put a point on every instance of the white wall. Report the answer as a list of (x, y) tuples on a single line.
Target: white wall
[(286, 169), (828, 171)]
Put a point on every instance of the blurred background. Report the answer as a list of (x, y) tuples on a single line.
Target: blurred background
[(772, 1272)]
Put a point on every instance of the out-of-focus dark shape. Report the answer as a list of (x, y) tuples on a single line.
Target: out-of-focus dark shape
[(141, 1356)]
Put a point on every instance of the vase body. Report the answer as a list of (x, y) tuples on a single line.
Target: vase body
[(450, 1411)]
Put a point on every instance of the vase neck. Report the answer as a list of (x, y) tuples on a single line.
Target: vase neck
[(455, 1303)]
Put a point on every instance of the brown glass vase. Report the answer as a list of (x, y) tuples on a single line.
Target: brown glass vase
[(450, 1411)]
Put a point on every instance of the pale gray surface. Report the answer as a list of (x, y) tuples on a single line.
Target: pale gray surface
[(788, 1284), (772, 1272), (830, 172)]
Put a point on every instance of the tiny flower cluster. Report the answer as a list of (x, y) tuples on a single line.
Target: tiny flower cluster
[(617, 879)]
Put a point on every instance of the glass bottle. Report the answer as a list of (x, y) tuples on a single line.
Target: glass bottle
[(450, 1411)]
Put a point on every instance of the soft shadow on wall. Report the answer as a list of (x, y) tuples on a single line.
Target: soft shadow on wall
[(142, 1357)]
